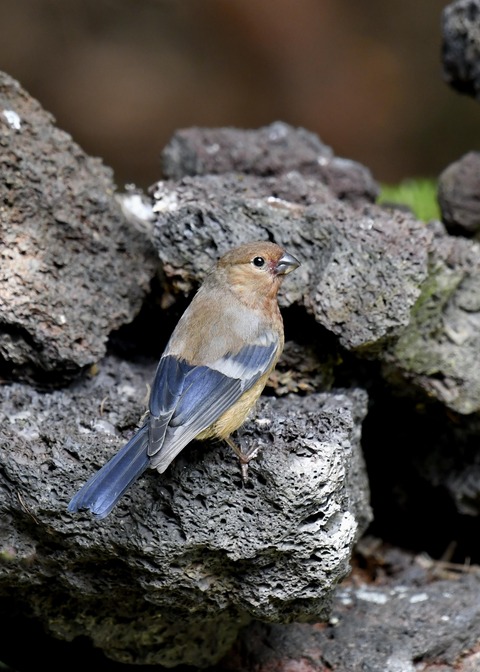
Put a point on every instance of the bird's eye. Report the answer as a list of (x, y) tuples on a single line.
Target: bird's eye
[(258, 262)]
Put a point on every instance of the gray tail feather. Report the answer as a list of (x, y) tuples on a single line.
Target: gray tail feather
[(103, 490)]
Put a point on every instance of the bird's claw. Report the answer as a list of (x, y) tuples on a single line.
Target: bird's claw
[(244, 457)]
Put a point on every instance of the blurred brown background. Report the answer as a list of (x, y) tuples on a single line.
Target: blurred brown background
[(122, 75)]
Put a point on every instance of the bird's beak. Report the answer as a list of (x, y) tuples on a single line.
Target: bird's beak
[(286, 264)]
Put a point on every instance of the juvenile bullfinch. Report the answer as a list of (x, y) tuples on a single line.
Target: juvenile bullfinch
[(211, 373)]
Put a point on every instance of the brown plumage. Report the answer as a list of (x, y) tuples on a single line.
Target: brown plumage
[(212, 372)]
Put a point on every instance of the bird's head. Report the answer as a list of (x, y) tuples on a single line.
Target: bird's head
[(260, 257), (257, 267)]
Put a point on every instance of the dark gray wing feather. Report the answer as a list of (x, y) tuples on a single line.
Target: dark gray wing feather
[(194, 397)]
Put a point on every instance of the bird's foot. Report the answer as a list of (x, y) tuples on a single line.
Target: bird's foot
[(244, 457)]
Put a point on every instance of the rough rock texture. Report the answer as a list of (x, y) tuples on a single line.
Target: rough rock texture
[(193, 553), (461, 46), (381, 258), (72, 268), (382, 302), (442, 341), (277, 149), (408, 624), (459, 194), (385, 284)]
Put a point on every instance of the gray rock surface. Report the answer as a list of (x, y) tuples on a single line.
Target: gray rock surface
[(381, 302), (440, 346), (459, 194), (385, 284), (402, 626), (72, 268), (361, 272), (277, 149), (461, 46), (193, 553)]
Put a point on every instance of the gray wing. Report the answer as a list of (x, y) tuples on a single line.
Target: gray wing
[(187, 399)]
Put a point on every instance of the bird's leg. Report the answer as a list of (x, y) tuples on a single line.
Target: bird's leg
[(243, 457)]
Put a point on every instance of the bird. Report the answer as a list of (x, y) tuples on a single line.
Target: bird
[(211, 373)]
